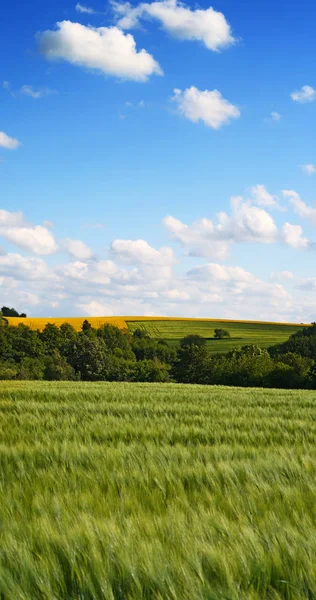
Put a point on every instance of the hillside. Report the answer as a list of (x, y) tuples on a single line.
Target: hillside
[(173, 329)]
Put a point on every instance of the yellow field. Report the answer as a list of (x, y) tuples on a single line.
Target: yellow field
[(122, 322)]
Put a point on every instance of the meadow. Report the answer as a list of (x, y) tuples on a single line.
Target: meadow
[(122, 491), (173, 329)]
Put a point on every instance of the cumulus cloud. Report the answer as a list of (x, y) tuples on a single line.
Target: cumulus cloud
[(300, 207), (21, 267), (106, 49), (139, 251), (304, 95), (28, 90), (210, 107), (11, 219), (262, 197), (309, 169), (245, 223), (293, 236), (34, 238), (199, 238), (8, 142), (204, 25), (78, 249)]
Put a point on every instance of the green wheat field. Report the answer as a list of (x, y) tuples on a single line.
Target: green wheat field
[(156, 491), (241, 332)]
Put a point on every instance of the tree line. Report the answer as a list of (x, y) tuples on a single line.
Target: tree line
[(110, 354)]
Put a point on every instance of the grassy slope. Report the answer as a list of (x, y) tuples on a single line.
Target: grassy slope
[(241, 333), (146, 491)]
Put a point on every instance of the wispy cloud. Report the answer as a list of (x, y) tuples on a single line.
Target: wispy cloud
[(309, 169), (85, 9), (28, 90)]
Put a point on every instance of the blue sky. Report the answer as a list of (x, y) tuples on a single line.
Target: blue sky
[(112, 182)]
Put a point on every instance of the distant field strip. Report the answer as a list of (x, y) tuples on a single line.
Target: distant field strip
[(114, 491), (173, 329), (241, 332), (76, 322)]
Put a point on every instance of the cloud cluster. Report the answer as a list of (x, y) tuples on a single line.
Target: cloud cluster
[(134, 277), (246, 222), (106, 49), (204, 25)]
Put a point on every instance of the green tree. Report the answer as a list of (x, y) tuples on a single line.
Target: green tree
[(151, 370), (87, 328), (220, 334), (58, 369), (89, 358), (51, 337), (11, 312), (191, 364), (193, 340)]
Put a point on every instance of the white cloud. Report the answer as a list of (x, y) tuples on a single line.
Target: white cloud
[(308, 285), (140, 279), (106, 49), (245, 223), (85, 9), (261, 196), (282, 275), (21, 267), (13, 219), (139, 104), (304, 95), (292, 235), (28, 90), (35, 239), (8, 142), (78, 249), (221, 273), (276, 116), (199, 238), (309, 169), (204, 25), (139, 251), (96, 309), (300, 207), (207, 106), (15, 229)]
